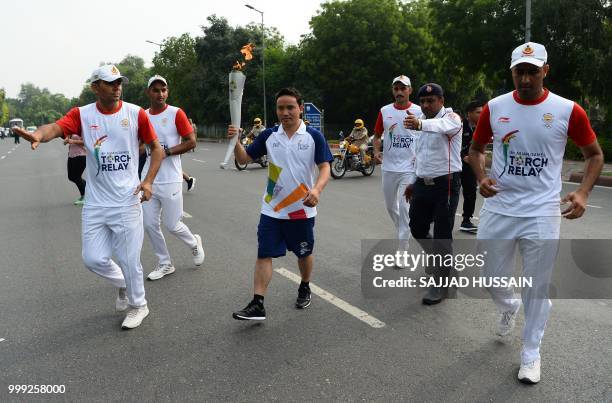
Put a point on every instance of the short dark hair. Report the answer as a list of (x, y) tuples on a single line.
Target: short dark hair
[(471, 107), (290, 91)]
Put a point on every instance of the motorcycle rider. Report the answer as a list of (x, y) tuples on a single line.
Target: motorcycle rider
[(258, 127), (359, 138)]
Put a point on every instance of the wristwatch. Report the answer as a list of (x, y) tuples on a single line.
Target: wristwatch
[(168, 152)]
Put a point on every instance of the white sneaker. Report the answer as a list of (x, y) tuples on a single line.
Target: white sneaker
[(198, 251), (121, 304), (530, 372), (507, 320), (161, 271), (135, 317)]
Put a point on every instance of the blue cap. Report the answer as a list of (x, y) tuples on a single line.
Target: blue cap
[(430, 89)]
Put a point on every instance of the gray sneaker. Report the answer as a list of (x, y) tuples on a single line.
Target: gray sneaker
[(507, 320), (198, 251), (161, 271), (121, 304)]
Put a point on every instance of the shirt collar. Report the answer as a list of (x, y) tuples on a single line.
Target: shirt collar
[(300, 130)]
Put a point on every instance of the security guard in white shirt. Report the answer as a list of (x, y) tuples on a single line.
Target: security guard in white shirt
[(435, 194)]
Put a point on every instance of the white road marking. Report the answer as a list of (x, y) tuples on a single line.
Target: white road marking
[(203, 162), (10, 151), (578, 184), (187, 215), (1, 340), (3, 157), (332, 299), (590, 205)]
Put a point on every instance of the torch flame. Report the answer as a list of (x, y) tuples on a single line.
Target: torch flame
[(246, 51)]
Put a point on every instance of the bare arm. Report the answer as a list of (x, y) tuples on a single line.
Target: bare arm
[(239, 152), (43, 134), (593, 162), (187, 144), (377, 144), (476, 158), (312, 197)]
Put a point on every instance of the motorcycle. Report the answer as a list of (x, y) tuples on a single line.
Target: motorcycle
[(348, 158), (263, 161)]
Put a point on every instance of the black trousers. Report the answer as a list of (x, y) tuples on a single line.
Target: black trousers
[(142, 158), (468, 183), (17, 139), (76, 166), (432, 204)]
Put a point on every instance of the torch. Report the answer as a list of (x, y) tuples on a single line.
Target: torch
[(236, 88)]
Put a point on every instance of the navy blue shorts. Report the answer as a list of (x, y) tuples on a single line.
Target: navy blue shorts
[(275, 237)]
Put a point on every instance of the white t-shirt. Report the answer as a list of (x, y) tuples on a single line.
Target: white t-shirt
[(292, 164), (111, 140), (170, 125), (529, 141), (398, 144)]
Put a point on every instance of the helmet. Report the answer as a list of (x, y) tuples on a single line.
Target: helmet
[(359, 123), (257, 121)]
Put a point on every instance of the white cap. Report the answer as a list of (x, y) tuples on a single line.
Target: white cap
[(108, 73), (156, 77), (402, 79), (529, 52)]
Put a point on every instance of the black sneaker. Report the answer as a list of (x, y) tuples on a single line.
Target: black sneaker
[(303, 299), (467, 226), (253, 311), (190, 183)]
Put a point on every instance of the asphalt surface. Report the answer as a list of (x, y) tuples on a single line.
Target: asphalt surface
[(58, 325)]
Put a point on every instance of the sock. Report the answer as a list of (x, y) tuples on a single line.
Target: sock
[(258, 299)]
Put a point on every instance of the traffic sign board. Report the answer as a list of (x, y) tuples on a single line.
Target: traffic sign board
[(313, 115)]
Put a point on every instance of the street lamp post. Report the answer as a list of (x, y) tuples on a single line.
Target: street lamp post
[(263, 61), (154, 43)]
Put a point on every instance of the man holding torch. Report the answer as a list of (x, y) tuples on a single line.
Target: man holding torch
[(290, 198)]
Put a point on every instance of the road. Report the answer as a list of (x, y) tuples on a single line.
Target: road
[(58, 325)]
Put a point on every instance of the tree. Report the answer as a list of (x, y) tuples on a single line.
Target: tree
[(177, 62), (36, 106), (4, 110), (355, 50)]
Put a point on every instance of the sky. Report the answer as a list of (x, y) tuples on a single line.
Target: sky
[(56, 44)]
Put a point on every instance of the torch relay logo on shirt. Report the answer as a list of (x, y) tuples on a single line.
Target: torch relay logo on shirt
[(521, 163), (110, 161)]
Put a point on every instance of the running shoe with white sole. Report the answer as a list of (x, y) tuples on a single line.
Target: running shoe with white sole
[(161, 271), (198, 251), (530, 372), (135, 317), (304, 298), (191, 183), (253, 311)]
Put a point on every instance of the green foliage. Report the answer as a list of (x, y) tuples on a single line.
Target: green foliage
[(37, 107), (4, 111)]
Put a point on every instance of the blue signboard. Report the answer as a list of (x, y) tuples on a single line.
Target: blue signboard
[(313, 115)]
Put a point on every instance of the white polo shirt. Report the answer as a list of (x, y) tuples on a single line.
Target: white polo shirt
[(292, 165), (529, 141), (438, 144), (170, 125), (111, 140), (398, 141)]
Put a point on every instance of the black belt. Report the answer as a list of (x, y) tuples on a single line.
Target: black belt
[(439, 179)]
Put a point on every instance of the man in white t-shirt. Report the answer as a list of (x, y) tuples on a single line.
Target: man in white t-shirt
[(112, 216), (176, 136), (288, 206), (398, 169), (529, 127)]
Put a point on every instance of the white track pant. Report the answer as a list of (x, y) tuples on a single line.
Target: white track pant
[(166, 205), (118, 231), (538, 243), (394, 184)]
